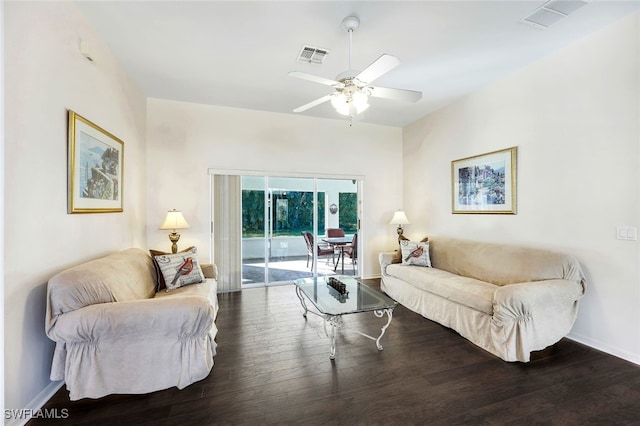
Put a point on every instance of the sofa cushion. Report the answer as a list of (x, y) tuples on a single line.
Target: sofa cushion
[(415, 253), (180, 269), (206, 289), (470, 292)]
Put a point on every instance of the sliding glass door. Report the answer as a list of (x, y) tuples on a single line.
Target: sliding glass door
[(275, 213), (283, 228), (342, 224)]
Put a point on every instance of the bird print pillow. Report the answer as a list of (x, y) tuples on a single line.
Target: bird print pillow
[(180, 269), (415, 253)]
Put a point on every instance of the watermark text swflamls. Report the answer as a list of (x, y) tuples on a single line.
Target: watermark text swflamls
[(42, 413)]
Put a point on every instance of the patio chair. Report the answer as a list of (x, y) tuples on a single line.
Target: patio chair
[(351, 251), (321, 250), (335, 232)]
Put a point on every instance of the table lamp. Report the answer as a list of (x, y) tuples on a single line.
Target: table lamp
[(399, 218), (174, 220)]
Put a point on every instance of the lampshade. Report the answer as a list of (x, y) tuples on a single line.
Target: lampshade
[(399, 218), (174, 220)]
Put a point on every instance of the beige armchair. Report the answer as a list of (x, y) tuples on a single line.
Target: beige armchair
[(115, 334)]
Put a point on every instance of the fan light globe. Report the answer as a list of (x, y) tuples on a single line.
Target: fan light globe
[(350, 102), (360, 101), (340, 103)]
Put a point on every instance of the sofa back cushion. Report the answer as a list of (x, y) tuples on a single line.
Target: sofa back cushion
[(126, 275), (501, 264)]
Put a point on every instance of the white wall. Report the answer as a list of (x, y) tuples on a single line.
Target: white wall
[(575, 119), (185, 140), (45, 76)]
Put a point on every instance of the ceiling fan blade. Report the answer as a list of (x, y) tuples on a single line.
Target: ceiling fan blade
[(314, 78), (379, 67), (313, 103), (395, 94)]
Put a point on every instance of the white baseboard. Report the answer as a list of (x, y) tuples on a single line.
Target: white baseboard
[(36, 404), (595, 344), (371, 277)]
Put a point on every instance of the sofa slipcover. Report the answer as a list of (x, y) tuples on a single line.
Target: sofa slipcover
[(506, 299)]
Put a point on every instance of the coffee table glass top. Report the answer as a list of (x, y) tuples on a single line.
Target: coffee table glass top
[(360, 297)]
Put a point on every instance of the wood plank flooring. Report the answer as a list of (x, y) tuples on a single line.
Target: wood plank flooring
[(273, 367)]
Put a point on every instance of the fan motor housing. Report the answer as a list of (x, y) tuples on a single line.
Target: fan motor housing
[(347, 75)]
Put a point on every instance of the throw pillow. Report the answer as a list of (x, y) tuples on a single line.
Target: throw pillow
[(160, 285), (397, 257), (415, 253), (180, 269)]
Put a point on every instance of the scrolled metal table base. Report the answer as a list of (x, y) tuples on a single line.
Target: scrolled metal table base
[(335, 321)]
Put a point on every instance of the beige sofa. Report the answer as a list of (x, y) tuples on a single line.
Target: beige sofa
[(508, 300), (115, 334)]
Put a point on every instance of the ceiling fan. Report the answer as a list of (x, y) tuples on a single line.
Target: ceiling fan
[(353, 88)]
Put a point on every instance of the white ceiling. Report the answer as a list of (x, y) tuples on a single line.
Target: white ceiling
[(238, 53)]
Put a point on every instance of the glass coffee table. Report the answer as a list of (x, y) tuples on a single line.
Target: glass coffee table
[(340, 295)]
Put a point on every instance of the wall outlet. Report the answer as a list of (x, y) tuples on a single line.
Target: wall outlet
[(629, 233)]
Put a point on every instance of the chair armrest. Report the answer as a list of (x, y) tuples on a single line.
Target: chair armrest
[(170, 316)]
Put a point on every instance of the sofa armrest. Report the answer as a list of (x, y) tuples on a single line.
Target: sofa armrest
[(210, 270), (527, 298), (531, 316), (170, 316), (385, 258)]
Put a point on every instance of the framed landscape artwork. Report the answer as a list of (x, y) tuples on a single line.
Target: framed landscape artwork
[(485, 183), (95, 167)]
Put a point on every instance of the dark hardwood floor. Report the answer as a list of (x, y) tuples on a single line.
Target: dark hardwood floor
[(273, 367)]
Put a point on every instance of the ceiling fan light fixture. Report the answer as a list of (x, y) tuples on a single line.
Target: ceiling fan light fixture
[(352, 88), (350, 102)]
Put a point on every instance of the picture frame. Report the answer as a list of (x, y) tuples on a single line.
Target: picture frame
[(485, 183), (282, 210), (95, 168)]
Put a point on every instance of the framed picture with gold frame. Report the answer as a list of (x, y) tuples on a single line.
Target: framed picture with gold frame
[(95, 168), (485, 183)]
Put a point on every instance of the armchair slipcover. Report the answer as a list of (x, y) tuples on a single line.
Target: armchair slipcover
[(115, 334)]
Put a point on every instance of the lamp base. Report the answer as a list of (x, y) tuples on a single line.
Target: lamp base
[(400, 231), (174, 237)]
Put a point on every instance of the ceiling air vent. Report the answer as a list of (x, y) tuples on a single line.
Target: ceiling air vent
[(313, 55), (552, 11)]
